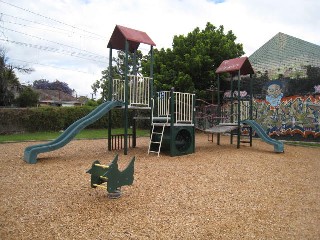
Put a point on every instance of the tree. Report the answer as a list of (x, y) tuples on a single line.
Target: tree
[(56, 85), (27, 98), (118, 71), (9, 82), (191, 63)]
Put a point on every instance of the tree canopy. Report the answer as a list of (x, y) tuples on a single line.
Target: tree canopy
[(56, 85), (191, 63), (9, 82), (118, 71), (27, 98), (188, 67)]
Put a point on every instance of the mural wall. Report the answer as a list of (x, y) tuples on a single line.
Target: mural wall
[(291, 117)]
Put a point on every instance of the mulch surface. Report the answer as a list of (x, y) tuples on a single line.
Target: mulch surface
[(219, 192)]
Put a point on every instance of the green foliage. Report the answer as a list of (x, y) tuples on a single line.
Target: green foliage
[(190, 65), (54, 118), (56, 85), (117, 71), (92, 103), (8, 81), (27, 98)]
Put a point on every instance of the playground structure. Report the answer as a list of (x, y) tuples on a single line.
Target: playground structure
[(110, 178), (235, 117), (172, 118), (172, 123), (172, 113), (134, 92)]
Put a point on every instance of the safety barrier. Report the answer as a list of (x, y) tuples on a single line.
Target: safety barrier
[(183, 106), (139, 90), (233, 118), (117, 141)]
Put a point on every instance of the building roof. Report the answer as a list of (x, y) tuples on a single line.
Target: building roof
[(121, 34), (46, 95), (234, 65), (284, 54)]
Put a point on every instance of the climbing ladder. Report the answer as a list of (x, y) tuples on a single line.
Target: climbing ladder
[(172, 123), (163, 105)]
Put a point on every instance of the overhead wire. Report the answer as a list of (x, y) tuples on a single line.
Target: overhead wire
[(47, 65), (51, 19), (55, 50), (71, 51), (61, 44), (30, 21)]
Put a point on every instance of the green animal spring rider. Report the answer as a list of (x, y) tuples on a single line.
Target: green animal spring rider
[(110, 178)]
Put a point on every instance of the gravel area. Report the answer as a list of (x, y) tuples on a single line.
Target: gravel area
[(219, 192)]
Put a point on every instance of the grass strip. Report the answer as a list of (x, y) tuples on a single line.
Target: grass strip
[(84, 134)]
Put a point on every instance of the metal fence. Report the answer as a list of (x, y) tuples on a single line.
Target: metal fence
[(139, 90), (183, 106)]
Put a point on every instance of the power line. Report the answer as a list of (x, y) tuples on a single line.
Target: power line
[(56, 50), (47, 27), (51, 19), (61, 44), (46, 65), (31, 21)]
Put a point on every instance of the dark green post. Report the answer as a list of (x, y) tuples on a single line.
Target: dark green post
[(134, 62), (110, 99), (239, 112), (151, 73), (151, 86), (219, 109), (251, 108), (231, 110), (134, 129), (126, 100), (172, 117), (193, 122)]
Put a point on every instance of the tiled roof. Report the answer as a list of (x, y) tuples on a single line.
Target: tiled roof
[(286, 55), (54, 95)]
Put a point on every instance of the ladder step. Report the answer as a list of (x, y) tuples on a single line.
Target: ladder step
[(154, 151), (155, 142), (161, 124), (157, 133)]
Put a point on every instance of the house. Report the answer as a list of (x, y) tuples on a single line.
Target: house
[(57, 98)]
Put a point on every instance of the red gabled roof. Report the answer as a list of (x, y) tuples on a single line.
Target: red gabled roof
[(121, 34), (236, 64)]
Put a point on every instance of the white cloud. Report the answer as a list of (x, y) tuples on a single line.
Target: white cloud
[(253, 22)]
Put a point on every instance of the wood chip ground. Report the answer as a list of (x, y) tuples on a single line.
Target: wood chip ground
[(219, 192)]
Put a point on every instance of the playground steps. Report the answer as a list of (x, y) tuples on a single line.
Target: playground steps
[(156, 138)]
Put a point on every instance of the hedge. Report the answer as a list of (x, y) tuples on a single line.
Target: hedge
[(15, 120)]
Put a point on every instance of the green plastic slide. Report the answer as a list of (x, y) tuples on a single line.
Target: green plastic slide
[(278, 146), (31, 152)]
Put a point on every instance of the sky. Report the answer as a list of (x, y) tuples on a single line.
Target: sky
[(66, 40)]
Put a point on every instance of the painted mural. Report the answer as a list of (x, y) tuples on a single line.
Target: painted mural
[(296, 117)]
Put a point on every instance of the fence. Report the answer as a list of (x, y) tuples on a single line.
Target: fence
[(139, 90), (183, 106), (227, 117)]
